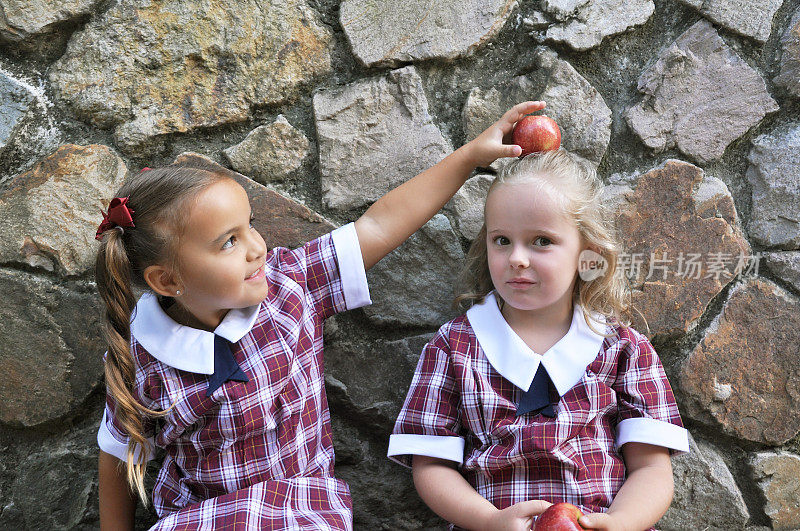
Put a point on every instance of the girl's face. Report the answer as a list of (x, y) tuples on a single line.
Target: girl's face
[(221, 256), (532, 250)]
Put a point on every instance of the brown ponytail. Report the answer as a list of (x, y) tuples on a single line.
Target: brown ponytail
[(158, 197), (114, 284)]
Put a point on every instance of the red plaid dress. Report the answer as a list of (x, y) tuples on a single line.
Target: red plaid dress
[(257, 454), (463, 399)]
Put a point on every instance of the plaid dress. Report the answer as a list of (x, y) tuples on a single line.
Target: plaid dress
[(463, 399), (256, 454)]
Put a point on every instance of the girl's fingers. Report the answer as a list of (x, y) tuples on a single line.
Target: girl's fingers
[(595, 521), (512, 151), (532, 507), (530, 106), (515, 113)]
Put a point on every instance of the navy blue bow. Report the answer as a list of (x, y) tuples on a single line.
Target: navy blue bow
[(537, 398), (225, 366)]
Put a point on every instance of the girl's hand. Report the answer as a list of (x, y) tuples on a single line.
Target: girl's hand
[(489, 146), (600, 521), (518, 517)]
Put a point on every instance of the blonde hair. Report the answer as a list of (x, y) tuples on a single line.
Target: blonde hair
[(577, 189), (159, 199)]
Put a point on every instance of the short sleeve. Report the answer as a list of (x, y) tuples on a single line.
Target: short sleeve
[(648, 412), (112, 437), (429, 422), (331, 270)]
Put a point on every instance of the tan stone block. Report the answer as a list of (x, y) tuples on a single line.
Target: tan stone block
[(745, 374), (666, 218), (778, 475), (49, 214), (153, 68)]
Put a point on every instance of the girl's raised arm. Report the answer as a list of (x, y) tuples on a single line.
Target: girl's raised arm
[(401, 212)]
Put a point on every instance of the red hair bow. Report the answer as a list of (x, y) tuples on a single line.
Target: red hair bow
[(119, 215)]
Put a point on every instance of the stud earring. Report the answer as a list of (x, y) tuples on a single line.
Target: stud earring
[(177, 293)]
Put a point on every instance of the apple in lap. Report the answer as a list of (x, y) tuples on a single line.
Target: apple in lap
[(559, 517)]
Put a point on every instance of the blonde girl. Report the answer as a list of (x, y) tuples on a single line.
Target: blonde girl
[(541, 393)]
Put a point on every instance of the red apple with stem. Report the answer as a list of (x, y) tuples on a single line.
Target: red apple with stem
[(559, 517), (535, 133)]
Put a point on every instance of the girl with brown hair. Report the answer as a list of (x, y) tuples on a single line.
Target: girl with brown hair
[(220, 361)]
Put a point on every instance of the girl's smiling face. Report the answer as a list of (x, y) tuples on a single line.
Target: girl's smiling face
[(221, 256), (532, 249)]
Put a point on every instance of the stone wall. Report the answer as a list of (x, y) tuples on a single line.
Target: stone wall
[(688, 108)]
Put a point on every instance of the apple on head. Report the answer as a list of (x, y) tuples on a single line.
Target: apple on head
[(559, 517), (535, 133)]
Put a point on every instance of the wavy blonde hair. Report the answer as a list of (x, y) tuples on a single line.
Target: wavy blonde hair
[(577, 189)]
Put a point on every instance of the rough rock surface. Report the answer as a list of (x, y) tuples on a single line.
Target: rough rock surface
[(22, 19), (269, 152), (383, 33), (786, 266), (789, 76), (414, 284), (15, 103), (49, 215), (380, 397), (64, 466), (694, 94), (703, 480), (577, 107), (752, 19), (467, 205), (51, 354), (27, 129), (681, 243), (774, 175), (584, 24), (374, 135), (745, 373), (384, 496), (150, 68), (777, 475)]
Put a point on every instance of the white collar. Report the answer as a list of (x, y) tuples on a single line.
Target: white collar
[(183, 347), (565, 361)]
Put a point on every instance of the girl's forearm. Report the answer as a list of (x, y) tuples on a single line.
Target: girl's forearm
[(449, 495), (644, 498), (402, 211), (117, 502)]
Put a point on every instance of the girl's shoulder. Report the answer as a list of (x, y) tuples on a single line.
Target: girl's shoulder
[(627, 345), (616, 332), (455, 334), (630, 335)]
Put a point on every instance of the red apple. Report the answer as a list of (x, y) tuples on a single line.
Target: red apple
[(559, 517), (536, 133)]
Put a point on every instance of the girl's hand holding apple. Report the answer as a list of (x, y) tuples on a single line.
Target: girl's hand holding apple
[(601, 521), (518, 517), (560, 517), (488, 146)]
